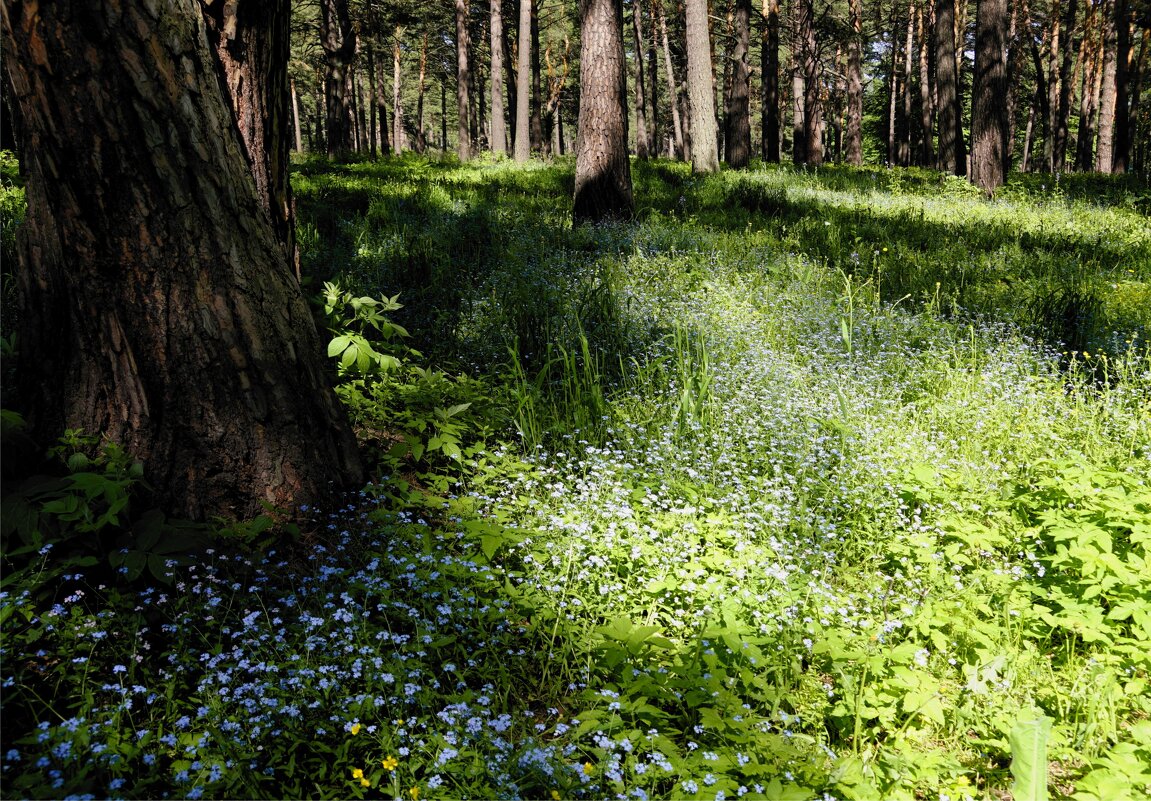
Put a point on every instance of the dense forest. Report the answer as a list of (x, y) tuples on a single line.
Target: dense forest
[(576, 399)]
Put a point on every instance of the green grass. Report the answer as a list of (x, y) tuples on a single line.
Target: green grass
[(804, 485)]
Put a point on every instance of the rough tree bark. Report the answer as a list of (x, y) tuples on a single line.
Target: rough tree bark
[(642, 136), (952, 152), (1122, 144), (463, 78), (672, 83), (523, 144), (499, 126), (603, 174), (812, 102), (1104, 152), (399, 136), (1062, 58), (157, 297), (926, 102), (737, 114), (769, 77), (854, 133), (338, 40), (704, 147), (989, 97)]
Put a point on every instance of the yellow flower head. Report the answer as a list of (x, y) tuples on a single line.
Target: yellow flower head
[(357, 773), (588, 769), (365, 783), (555, 795), (390, 763), (414, 792), (356, 728)]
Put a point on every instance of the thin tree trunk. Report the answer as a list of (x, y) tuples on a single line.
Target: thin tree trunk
[(1029, 135), (296, 119), (362, 133), (523, 147), (1062, 106), (642, 139), (1089, 105), (672, 83), (421, 136), (463, 81), (167, 318), (603, 174), (443, 115), (908, 51), (373, 103), (798, 139), (499, 138), (385, 120), (926, 104), (704, 148), (893, 84), (989, 97), (812, 102), (769, 75), (1012, 67), (399, 137), (653, 82), (537, 123)]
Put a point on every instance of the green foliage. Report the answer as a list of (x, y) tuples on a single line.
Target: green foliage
[(355, 323), (1029, 758)]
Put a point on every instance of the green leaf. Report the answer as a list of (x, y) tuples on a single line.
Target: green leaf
[(338, 345), (1029, 758)]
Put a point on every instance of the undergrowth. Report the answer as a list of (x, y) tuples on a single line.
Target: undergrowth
[(806, 485)]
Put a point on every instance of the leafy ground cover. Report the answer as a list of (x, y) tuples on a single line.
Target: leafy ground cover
[(805, 485)]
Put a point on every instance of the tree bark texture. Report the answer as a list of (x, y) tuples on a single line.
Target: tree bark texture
[(1104, 152), (854, 133), (642, 138), (537, 123), (926, 102), (463, 78), (523, 143), (603, 174), (399, 136), (952, 152), (1090, 61), (989, 97), (338, 41), (737, 114), (672, 83), (1122, 142), (704, 147), (499, 124), (812, 102), (157, 298), (1063, 54), (769, 76)]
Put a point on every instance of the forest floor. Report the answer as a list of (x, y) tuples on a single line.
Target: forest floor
[(806, 484)]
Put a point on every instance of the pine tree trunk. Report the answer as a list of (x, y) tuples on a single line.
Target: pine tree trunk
[(338, 40), (421, 136), (1122, 142), (737, 133), (537, 123), (1062, 85), (893, 84), (812, 102), (769, 74), (1105, 153), (653, 135), (672, 83), (952, 153), (296, 119), (926, 102), (642, 141), (603, 174), (463, 81), (798, 139), (399, 136), (989, 97), (854, 135), (908, 57), (1012, 79), (523, 147), (385, 120), (704, 148), (373, 103), (1089, 104), (499, 126), (157, 297)]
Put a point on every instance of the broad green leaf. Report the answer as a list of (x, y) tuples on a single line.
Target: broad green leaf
[(1029, 758)]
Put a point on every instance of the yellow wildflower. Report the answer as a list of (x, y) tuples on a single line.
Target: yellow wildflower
[(357, 773), (555, 795), (414, 792), (356, 729), (588, 769), (365, 783), (390, 763)]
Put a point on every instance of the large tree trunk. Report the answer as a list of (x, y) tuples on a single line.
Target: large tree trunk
[(537, 127), (952, 152), (158, 304), (704, 148), (769, 74), (603, 173), (1105, 153), (908, 58), (1122, 141), (854, 133), (812, 102), (463, 79), (672, 83), (642, 136), (737, 115), (1062, 54), (926, 102), (499, 125), (338, 40), (989, 97), (1090, 59), (523, 144)]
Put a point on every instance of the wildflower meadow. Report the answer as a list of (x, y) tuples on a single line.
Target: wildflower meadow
[(803, 485)]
